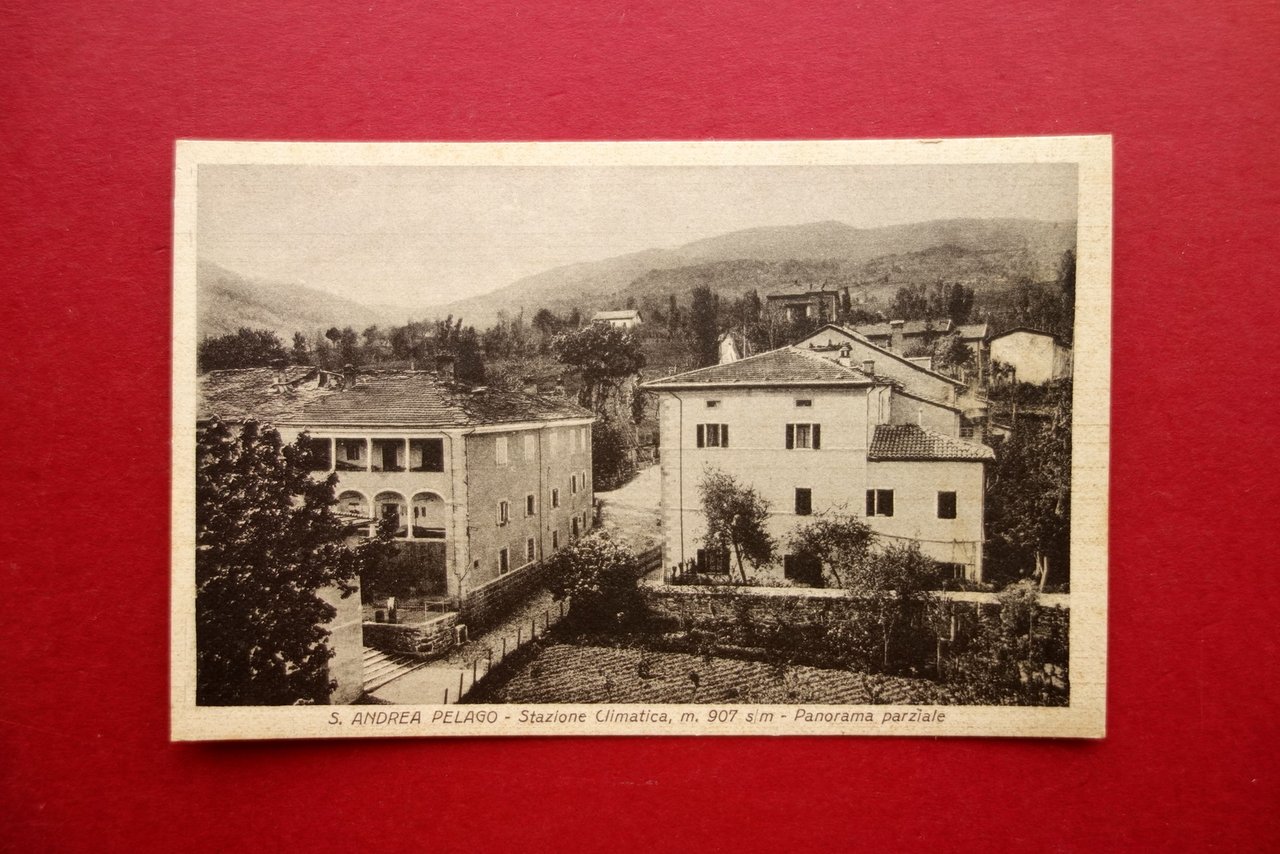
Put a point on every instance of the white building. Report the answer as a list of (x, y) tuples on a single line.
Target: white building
[(1036, 356), (831, 425), (626, 318)]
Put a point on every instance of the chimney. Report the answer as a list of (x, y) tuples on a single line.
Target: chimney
[(869, 367), (444, 365), (895, 336), (843, 358), (559, 392)]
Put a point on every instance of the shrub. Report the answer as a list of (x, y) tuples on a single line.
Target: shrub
[(598, 576)]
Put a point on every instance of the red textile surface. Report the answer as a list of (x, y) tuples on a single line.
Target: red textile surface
[(93, 97)]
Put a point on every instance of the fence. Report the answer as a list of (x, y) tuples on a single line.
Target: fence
[(501, 643), (649, 560)]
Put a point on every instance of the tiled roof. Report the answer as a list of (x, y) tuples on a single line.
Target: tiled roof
[(784, 366), (972, 331), (909, 327), (235, 395), (910, 442), (391, 398), (1031, 330), (622, 314)]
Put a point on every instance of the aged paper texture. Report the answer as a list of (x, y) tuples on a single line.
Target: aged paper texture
[(712, 438)]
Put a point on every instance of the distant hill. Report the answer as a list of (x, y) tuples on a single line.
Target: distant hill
[(227, 300), (986, 253)]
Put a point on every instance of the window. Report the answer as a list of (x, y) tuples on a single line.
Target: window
[(504, 513), (804, 501), (714, 561), (555, 497), (804, 401), (504, 561), (573, 528), (952, 570), (387, 455), (555, 540), (946, 505), (573, 484), (351, 455), (879, 502), (426, 455), (713, 435), (500, 450), (804, 436), (530, 550), (712, 404), (529, 447), (530, 504)]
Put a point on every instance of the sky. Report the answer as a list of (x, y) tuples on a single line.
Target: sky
[(416, 236)]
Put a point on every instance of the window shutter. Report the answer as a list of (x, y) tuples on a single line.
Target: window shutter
[(817, 436), (886, 502), (724, 435), (701, 435), (791, 436), (871, 502)]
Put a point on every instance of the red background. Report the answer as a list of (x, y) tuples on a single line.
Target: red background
[(93, 98)]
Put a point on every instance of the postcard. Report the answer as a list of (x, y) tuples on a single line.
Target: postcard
[(641, 438)]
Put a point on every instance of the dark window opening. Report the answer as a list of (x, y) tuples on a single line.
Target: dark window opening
[(426, 455), (946, 505), (804, 501)]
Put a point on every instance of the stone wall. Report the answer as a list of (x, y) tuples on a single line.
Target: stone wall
[(490, 602), (430, 639)]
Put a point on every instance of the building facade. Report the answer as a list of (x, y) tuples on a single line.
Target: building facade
[(628, 318), (835, 425), (1035, 356), (476, 483)]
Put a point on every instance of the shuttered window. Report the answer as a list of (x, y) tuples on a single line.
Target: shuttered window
[(804, 436), (712, 436), (946, 505), (879, 502)]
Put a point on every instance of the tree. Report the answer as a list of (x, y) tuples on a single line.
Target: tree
[(737, 517), (301, 352), (1067, 280), (598, 576), (604, 357), (951, 352), (705, 327), (1029, 498), (267, 541), (611, 461), (244, 348), (898, 581), (469, 367), (840, 544)]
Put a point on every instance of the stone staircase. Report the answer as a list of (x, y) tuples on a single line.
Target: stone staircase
[(381, 668)]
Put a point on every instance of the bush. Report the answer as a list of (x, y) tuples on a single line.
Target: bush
[(598, 576)]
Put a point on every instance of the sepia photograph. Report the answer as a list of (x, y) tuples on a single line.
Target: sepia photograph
[(641, 438)]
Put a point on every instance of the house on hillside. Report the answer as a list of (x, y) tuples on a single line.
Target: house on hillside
[(1035, 356), (628, 318), (818, 305), (479, 485), (832, 424)]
